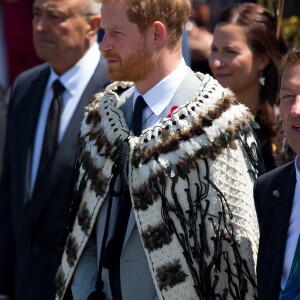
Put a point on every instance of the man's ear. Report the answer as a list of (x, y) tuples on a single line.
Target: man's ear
[(94, 22), (159, 33), (263, 61)]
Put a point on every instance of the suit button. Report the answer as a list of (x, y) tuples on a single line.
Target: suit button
[(36, 249)]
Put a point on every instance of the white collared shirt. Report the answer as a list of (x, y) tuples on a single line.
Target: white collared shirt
[(75, 81), (159, 96), (293, 232)]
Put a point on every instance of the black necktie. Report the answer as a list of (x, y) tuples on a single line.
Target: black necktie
[(51, 129), (137, 117), (115, 245)]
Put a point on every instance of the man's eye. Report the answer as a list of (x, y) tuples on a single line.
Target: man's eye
[(36, 13), (55, 16), (115, 34), (287, 97)]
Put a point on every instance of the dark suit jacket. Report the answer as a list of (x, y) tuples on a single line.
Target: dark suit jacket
[(2, 125), (273, 195), (30, 231)]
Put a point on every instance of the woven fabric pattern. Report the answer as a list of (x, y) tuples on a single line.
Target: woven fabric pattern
[(196, 212)]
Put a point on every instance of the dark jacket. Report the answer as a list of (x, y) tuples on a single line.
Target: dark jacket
[(30, 230), (273, 195)]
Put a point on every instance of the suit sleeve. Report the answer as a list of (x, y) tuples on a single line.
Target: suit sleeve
[(6, 227)]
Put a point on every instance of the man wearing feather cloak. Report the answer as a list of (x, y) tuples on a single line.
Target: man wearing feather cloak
[(166, 213)]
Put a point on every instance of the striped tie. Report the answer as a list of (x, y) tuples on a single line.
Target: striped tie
[(292, 288)]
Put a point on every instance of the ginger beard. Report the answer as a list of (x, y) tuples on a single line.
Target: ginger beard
[(136, 67)]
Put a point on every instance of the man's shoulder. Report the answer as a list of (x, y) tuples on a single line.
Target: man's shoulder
[(207, 85), (123, 89), (27, 83), (279, 173), (33, 73)]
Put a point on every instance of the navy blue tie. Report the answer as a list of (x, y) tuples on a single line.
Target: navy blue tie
[(137, 117), (110, 253), (115, 245)]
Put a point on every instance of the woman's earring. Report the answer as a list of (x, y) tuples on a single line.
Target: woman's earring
[(262, 79)]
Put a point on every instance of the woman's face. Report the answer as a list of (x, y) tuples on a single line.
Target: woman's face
[(232, 61)]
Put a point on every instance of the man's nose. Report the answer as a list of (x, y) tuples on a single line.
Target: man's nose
[(295, 109), (40, 23), (105, 44)]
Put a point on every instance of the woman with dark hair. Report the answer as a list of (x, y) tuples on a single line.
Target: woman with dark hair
[(244, 58)]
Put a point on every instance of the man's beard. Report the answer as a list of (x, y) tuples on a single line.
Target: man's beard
[(138, 66)]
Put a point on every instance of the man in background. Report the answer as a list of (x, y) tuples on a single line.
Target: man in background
[(277, 200), (46, 106)]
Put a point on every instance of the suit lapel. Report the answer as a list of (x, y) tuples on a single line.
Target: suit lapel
[(184, 93), (98, 79), (27, 114), (126, 105), (280, 202)]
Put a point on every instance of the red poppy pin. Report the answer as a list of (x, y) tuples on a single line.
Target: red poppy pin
[(172, 109)]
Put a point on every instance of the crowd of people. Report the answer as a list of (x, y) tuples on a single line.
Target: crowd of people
[(164, 166)]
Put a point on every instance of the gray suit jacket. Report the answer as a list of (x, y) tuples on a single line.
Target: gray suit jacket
[(136, 280)]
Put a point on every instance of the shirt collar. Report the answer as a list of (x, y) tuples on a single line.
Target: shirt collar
[(159, 96), (74, 78)]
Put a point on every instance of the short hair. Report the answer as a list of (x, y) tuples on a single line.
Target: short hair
[(91, 7), (292, 57), (172, 13)]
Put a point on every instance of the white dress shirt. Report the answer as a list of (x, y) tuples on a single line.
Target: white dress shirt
[(159, 96), (293, 232), (75, 81)]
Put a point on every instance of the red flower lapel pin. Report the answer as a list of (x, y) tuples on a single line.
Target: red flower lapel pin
[(172, 109), (276, 193)]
